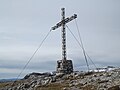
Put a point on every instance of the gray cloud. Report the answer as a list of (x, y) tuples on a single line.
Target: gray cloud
[(24, 23)]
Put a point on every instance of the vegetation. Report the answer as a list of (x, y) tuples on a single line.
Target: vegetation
[(53, 86), (2, 85)]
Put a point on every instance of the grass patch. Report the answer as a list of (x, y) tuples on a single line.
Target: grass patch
[(53, 86), (2, 85)]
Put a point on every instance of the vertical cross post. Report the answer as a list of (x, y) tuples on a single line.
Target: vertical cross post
[(64, 57), (62, 24)]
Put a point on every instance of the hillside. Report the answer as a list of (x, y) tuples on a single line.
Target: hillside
[(100, 80)]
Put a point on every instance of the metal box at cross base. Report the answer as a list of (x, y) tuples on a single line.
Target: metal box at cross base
[(64, 66)]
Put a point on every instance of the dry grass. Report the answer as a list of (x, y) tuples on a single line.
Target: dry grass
[(2, 85), (53, 86)]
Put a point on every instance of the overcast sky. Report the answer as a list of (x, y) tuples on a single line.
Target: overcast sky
[(24, 24)]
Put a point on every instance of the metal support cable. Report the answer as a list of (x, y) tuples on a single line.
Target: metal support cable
[(82, 44), (77, 41), (91, 60), (31, 57), (74, 36)]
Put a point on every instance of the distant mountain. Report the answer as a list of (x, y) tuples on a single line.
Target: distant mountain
[(7, 80)]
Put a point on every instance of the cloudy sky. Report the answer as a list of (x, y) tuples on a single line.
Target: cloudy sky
[(24, 24)]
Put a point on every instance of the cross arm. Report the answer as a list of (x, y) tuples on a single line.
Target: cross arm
[(66, 20)]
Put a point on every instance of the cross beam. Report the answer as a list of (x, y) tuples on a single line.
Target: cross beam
[(68, 19), (62, 24)]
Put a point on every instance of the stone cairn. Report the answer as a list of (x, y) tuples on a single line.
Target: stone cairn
[(64, 66)]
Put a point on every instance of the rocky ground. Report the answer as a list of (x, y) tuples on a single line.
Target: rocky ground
[(102, 80)]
